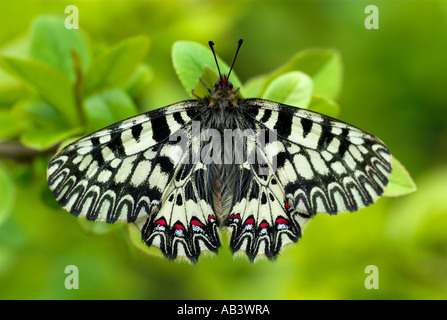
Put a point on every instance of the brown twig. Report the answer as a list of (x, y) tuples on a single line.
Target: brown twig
[(16, 151)]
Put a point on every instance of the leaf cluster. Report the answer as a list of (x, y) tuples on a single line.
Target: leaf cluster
[(59, 89)]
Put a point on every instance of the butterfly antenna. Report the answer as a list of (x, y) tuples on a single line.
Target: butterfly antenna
[(235, 56), (215, 58)]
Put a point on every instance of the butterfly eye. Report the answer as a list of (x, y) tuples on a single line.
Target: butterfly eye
[(217, 85), (230, 86)]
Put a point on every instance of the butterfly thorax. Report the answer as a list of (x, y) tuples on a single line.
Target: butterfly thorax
[(223, 95), (223, 104), (222, 114)]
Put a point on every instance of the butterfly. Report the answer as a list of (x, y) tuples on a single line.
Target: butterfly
[(185, 172)]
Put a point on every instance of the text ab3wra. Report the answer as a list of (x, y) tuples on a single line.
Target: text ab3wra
[(225, 309)]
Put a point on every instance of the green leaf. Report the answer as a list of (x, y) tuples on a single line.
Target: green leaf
[(400, 182), (108, 107), (99, 227), (420, 220), (11, 89), (50, 84), (11, 125), (209, 77), (292, 88), (10, 95), (18, 47), (254, 87), (139, 80), (114, 67), (324, 106), (324, 66), (40, 113), (7, 199), (43, 138), (190, 59), (52, 44), (42, 125)]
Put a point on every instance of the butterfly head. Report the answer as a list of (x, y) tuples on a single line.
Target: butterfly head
[(224, 85)]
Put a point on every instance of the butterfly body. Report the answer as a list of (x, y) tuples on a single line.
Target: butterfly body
[(257, 168)]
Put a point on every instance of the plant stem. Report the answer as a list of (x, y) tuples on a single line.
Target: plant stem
[(18, 152), (78, 85)]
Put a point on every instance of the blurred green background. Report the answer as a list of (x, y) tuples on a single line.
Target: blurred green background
[(394, 85)]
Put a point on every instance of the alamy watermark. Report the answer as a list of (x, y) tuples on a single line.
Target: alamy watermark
[(372, 20), (230, 146), (72, 20), (72, 280), (372, 280)]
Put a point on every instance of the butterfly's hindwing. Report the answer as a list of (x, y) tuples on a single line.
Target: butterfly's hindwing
[(185, 224), (260, 221)]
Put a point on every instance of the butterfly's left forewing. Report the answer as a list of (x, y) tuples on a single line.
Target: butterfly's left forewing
[(120, 173)]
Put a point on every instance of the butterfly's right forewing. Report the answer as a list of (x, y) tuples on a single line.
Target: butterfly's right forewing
[(323, 164)]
